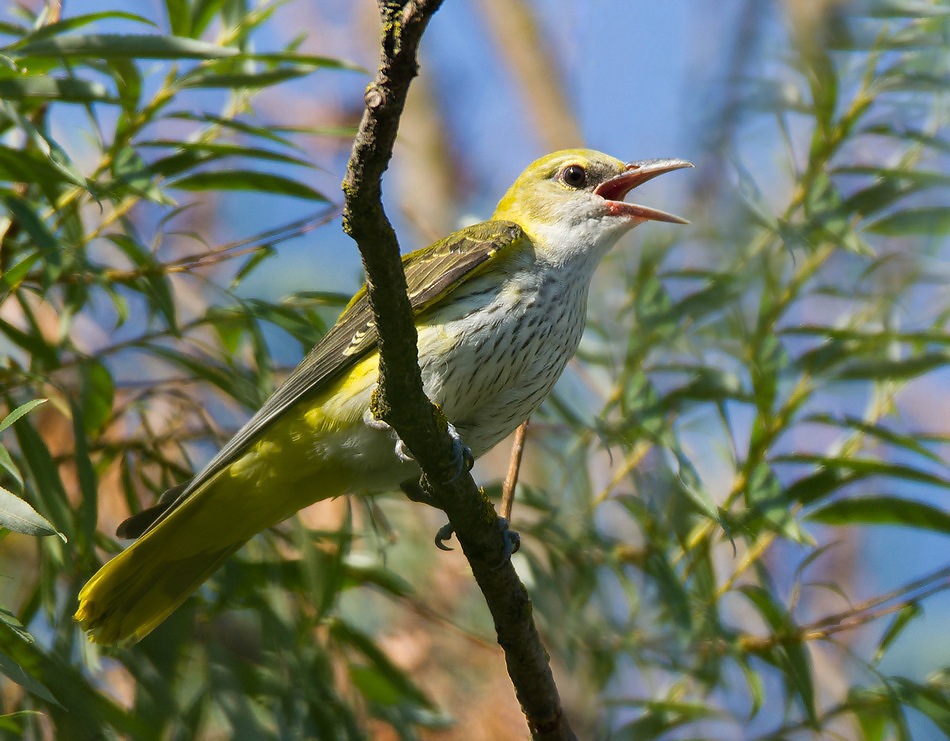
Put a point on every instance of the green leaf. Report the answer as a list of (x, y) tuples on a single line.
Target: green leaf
[(661, 716), (88, 509), (10, 620), (789, 654), (132, 46), (13, 277), (91, 714), (672, 593), (262, 132), (866, 467), (309, 60), (237, 80), (374, 685), (901, 620), (922, 221), (383, 681), (78, 21), (10, 468), (911, 442), (179, 17), (27, 218), (903, 133), (19, 412), (883, 510), (248, 180), (19, 516), (202, 13), (16, 673), (894, 370), (225, 378), (132, 173), (923, 178), (205, 150), (128, 83), (932, 701), (290, 319), (153, 280), (57, 170), (358, 571), (65, 90), (49, 490)]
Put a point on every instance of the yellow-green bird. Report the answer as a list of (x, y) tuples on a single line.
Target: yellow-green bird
[(500, 308)]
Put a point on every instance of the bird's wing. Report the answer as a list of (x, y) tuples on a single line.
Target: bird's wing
[(431, 274)]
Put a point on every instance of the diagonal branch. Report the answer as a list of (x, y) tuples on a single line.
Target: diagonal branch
[(401, 401)]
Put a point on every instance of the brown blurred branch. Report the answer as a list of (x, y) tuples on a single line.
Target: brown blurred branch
[(401, 401), (520, 42), (514, 468)]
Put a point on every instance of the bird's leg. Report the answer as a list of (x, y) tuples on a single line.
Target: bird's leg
[(461, 453), (402, 452), (414, 490), (511, 537)]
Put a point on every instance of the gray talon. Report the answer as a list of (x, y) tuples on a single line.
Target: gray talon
[(462, 455), (445, 533), (512, 541), (402, 452)]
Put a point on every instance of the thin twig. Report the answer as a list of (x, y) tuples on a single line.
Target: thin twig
[(514, 468)]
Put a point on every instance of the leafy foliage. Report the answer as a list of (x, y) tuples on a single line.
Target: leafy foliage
[(683, 522)]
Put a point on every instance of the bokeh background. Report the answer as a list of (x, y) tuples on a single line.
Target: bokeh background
[(741, 376)]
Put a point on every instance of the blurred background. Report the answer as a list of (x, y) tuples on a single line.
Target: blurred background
[(732, 506)]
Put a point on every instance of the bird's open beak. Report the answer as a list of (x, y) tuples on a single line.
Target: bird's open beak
[(637, 173)]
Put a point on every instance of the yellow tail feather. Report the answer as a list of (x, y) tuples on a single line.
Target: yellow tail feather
[(135, 591)]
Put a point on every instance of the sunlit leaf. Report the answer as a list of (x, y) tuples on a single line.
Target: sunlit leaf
[(236, 80), (78, 21), (19, 516), (264, 182), (137, 46), (19, 412), (66, 90)]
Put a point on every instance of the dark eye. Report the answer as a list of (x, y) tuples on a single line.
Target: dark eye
[(574, 175)]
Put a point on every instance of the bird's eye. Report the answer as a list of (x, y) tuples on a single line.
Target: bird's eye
[(574, 176)]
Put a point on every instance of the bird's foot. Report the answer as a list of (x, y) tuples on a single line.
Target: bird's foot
[(444, 533), (461, 455), (511, 537), (402, 452), (512, 540)]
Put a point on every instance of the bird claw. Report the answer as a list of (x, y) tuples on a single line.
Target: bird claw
[(444, 533), (512, 539), (402, 452), (461, 455)]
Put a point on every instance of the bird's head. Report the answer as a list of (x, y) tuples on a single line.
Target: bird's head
[(572, 201)]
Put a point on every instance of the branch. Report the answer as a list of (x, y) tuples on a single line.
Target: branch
[(401, 401)]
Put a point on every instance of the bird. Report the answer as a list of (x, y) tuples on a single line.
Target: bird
[(499, 306)]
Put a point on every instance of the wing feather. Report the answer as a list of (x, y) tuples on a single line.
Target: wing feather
[(432, 273)]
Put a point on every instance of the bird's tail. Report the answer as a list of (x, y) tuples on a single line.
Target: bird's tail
[(135, 591)]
